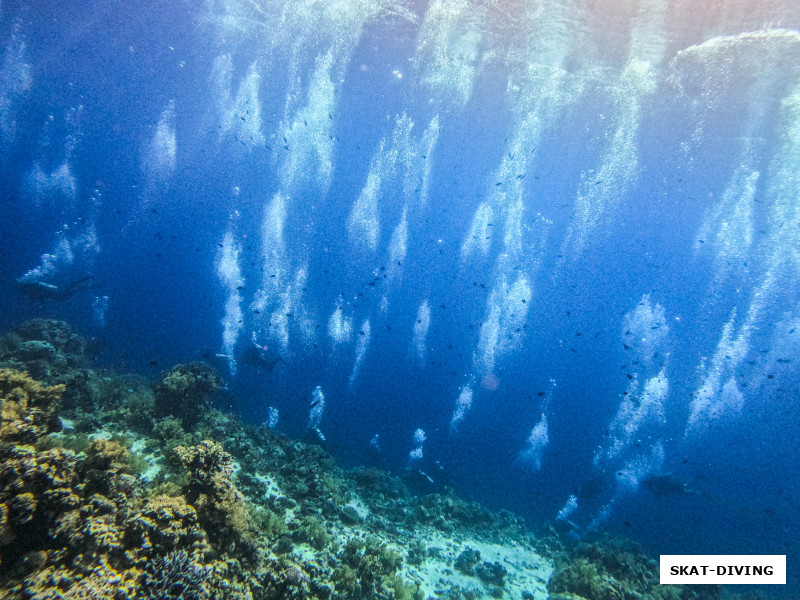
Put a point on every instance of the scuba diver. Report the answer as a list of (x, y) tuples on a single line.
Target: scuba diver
[(260, 356), (40, 291)]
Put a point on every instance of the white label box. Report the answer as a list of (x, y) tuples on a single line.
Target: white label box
[(723, 568)]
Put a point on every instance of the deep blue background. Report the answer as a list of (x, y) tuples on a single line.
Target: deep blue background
[(103, 74)]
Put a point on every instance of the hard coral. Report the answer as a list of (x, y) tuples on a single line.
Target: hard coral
[(64, 515), (367, 569), (186, 392), (101, 582), (209, 466), (176, 575), (52, 353), (165, 524), (467, 561), (28, 409), (221, 507), (36, 488), (44, 347), (57, 333), (610, 569)]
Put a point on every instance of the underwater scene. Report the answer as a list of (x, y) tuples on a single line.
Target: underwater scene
[(397, 299)]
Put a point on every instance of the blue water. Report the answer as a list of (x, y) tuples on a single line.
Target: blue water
[(580, 219)]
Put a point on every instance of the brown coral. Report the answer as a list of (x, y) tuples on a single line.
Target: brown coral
[(167, 523), (101, 582), (209, 466), (53, 501), (221, 507), (186, 391), (35, 489), (52, 353), (28, 409)]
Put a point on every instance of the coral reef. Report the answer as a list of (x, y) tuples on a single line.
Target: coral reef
[(50, 352), (28, 409), (175, 575), (153, 494), (221, 507), (166, 523), (186, 391), (368, 570), (45, 347), (612, 568)]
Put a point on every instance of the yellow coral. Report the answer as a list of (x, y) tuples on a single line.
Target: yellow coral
[(101, 581), (108, 455), (209, 466), (5, 531), (28, 408), (23, 506), (167, 523), (222, 509), (102, 531)]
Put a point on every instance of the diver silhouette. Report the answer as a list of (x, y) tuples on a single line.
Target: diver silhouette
[(260, 356)]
